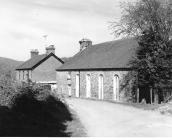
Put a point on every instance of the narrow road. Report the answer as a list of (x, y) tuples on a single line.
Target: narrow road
[(103, 119)]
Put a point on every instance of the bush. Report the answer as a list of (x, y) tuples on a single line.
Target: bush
[(30, 116), (8, 88), (30, 110)]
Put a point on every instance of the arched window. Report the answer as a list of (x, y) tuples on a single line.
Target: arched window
[(69, 76), (116, 87), (101, 90), (77, 85), (69, 79), (23, 75), (88, 86), (69, 84), (69, 90), (19, 74)]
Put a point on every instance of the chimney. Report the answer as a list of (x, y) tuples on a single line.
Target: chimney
[(84, 43), (34, 53), (50, 49)]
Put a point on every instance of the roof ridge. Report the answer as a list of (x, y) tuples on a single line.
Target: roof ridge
[(114, 41)]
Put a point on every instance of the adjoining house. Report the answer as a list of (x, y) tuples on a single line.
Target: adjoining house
[(97, 71), (40, 68)]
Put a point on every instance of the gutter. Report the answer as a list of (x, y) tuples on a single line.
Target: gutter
[(98, 69)]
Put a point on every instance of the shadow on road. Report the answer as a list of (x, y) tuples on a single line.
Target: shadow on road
[(29, 117)]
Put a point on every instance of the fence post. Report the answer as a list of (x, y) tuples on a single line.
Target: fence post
[(151, 95), (155, 96), (154, 100), (137, 95)]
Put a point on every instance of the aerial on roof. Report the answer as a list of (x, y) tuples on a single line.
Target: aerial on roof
[(108, 55), (35, 61)]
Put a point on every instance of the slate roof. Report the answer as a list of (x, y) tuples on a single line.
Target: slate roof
[(35, 61), (108, 55)]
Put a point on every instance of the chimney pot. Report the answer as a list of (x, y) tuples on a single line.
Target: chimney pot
[(50, 49), (84, 43), (34, 53)]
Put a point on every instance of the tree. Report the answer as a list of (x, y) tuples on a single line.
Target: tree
[(143, 15), (150, 23), (8, 88)]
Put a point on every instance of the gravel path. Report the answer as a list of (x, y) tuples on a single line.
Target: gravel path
[(103, 119)]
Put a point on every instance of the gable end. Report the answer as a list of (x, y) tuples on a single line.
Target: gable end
[(51, 54)]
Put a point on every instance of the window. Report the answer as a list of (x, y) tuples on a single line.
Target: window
[(69, 76), (69, 79), (77, 85), (23, 75), (116, 87), (27, 75), (69, 84), (31, 74), (101, 87), (19, 75), (88, 86)]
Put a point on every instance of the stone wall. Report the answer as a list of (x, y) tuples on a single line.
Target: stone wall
[(94, 75), (62, 84)]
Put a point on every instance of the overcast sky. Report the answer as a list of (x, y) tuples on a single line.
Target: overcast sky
[(24, 22)]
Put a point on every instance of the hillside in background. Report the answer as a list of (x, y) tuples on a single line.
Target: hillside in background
[(7, 65)]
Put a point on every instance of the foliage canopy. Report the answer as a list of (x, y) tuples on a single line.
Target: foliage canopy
[(150, 23)]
